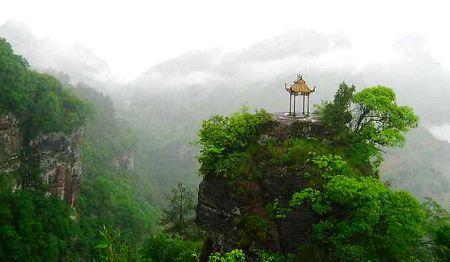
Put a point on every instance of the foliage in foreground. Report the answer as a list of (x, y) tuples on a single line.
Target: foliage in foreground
[(109, 199), (164, 248), (235, 255), (361, 218), (35, 226), (225, 141), (368, 121), (178, 216), (38, 101)]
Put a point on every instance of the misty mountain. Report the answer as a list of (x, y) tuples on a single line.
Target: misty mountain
[(46, 55), (256, 74), (420, 167), (167, 103)]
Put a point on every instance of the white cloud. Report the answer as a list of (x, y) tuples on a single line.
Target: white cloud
[(132, 35)]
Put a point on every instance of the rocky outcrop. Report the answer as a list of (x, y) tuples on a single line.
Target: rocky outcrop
[(125, 161), (59, 158), (240, 214), (58, 154), (9, 144), (305, 126)]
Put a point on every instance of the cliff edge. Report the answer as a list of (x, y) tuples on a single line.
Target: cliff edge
[(58, 154), (241, 213)]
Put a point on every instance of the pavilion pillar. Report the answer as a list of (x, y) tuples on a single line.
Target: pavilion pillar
[(308, 106), (290, 103), (303, 104), (294, 105)]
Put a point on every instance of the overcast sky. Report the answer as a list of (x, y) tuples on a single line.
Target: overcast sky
[(133, 35)]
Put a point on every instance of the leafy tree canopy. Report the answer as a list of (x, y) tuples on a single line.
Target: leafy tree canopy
[(224, 140), (368, 121), (39, 101), (178, 217), (379, 120)]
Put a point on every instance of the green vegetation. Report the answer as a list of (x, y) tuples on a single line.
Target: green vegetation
[(112, 247), (368, 121), (35, 226), (225, 141), (358, 217), (41, 105), (166, 249), (378, 223), (178, 217), (109, 196), (116, 218), (38, 101), (112, 218), (235, 255)]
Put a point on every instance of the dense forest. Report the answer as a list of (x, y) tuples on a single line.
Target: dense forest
[(146, 213), (113, 214)]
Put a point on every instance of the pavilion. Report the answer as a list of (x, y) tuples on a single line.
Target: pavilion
[(299, 87)]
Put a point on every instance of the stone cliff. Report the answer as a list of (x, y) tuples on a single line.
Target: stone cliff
[(58, 154), (240, 214), (9, 144), (124, 161)]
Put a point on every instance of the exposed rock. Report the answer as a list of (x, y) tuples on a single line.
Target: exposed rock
[(229, 212), (299, 126), (9, 144), (58, 154), (125, 161), (59, 157)]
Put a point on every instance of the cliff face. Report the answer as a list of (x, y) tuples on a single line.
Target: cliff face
[(124, 161), (59, 157), (9, 144), (58, 154), (238, 215)]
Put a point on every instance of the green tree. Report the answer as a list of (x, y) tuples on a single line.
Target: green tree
[(361, 218), (368, 121), (40, 104), (109, 196), (36, 226), (235, 255), (113, 248), (13, 79), (378, 120), (178, 217), (438, 226), (164, 248), (225, 141), (337, 114)]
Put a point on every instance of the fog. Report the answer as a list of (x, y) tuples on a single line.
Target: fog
[(46, 54), (134, 114), (167, 102), (325, 59), (134, 35)]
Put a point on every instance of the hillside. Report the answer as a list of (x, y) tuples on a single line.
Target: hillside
[(166, 104), (61, 194), (279, 188), (111, 176)]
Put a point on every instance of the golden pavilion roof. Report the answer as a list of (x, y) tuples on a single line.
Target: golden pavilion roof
[(300, 87)]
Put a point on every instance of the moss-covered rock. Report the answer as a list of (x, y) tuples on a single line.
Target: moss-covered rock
[(248, 208), (291, 189)]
